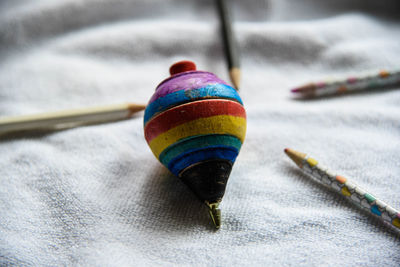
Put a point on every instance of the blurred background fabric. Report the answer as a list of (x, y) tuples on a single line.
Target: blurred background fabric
[(96, 196)]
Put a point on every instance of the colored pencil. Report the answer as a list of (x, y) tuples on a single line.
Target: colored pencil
[(351, 84), (69, 118), (231, 50), (347, 188)]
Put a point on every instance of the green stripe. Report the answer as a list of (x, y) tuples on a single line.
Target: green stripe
[(195, 142), (369, 197)]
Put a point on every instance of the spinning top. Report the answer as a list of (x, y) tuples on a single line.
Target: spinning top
[(195, 124)]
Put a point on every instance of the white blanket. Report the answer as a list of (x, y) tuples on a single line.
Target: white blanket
[(96, 196)]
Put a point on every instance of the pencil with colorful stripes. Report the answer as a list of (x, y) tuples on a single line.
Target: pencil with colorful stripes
[(347, 188), (381, 80)]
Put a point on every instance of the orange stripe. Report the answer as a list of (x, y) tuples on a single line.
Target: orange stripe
[(189, 112), (341, 179)]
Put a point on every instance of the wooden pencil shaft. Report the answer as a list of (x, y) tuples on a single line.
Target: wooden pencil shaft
[(231, 50), (352, 191), (362, 84), (74, 117), (352, 84)]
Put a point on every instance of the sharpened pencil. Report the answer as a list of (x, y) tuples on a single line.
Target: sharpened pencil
[(231, 50), (69, 118), (351, 84), (345, 187)]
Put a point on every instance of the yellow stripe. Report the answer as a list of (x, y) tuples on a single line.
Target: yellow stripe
[(396, 222), (221, 124), (345, 191), (312, 162)]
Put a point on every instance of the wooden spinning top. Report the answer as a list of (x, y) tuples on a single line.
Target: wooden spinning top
[(195, 124)]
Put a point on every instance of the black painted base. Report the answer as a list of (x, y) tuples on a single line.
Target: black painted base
[(208, 179)]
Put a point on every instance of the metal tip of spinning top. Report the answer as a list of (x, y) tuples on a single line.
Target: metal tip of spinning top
[(215, 213)]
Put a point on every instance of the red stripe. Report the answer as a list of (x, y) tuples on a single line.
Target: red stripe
[(191, 111)]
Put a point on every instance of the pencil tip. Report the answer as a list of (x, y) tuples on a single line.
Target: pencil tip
[(133, 108), (234, 74), (136, 107), (296, 156), (308, 89)]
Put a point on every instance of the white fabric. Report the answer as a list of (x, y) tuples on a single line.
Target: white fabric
[(96, 196)]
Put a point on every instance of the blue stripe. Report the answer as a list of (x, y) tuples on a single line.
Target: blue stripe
[(375, 210), (184, 160), (173, 99), (198, 142)]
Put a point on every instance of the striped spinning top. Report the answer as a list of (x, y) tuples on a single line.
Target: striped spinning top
[(195, 124)]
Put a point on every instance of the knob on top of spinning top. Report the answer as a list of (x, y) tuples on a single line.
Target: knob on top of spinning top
[(182, 66), (195, 124)]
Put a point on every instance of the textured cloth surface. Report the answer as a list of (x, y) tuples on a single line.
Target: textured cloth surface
[(96, 195)]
